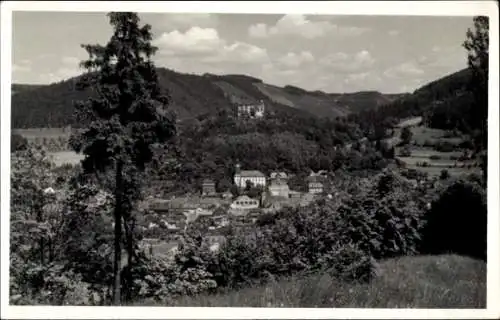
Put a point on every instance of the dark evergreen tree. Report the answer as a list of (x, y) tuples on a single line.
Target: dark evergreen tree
[(127, 116)]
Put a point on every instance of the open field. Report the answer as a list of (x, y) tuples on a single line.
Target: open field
[(33, 133), (436, 171), (447, 281), (442, 163), (436, 160), (423, 134), (409, 122), (66, 157), (422, 152)]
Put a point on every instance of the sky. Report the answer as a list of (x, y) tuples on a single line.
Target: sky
[(390, 54)]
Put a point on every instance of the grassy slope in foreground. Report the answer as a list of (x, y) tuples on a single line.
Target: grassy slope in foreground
[(446, 281)]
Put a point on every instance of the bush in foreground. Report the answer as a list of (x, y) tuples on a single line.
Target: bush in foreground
[(461, 211)]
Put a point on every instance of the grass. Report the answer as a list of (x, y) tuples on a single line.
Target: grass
[(423, 134), (436, 171), (446, 281), (441, 163), (421, 152)]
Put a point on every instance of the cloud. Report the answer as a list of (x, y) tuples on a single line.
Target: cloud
[(22, 66), (299, 25), (238, 52), (436, 49), (206, 45), (172, 21), (196, 40), (394, 33), (295, 60), (348, 63), (404, 70), (357, 77), (448, 57), (68, 68), (258, 30)]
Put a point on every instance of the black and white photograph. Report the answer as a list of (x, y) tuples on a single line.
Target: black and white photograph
[(256, 160)]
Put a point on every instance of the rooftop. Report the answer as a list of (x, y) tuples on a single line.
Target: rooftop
[(251, 173), (278, 183), (244, 197)]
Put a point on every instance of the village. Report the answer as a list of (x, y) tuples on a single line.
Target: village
[(256, 194), (215, 211)]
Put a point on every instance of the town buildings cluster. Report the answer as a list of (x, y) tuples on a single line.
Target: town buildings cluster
[(220, 209)]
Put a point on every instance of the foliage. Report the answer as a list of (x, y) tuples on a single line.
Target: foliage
[(87, 233), (444, 174), (477, 46), (54, 286), (126, 118), (17, 142), (349, 263), (345, 236), (33, 223), (38, 272), (406, 135), (461, 211)]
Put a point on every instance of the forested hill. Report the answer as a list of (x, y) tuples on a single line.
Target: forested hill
[(16, 88), (192, 95), (444, 103)]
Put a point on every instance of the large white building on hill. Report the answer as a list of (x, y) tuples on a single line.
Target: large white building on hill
[(251, 110), (241, 177)]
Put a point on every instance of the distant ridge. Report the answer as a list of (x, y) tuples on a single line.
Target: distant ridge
[(192, 95)]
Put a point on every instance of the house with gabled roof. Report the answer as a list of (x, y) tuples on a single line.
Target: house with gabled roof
[(279, 188), (208, 188), (241, 177)]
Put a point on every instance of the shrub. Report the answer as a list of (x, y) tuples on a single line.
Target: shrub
[(50, 285), (435, 157), (444, 146), (466, 144), (444, 174), (406, 135), (461, 211), (413, 174), (350, 263), (383, 225), (18, 142)]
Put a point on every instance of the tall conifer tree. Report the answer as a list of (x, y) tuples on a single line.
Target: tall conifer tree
[(124, 118)]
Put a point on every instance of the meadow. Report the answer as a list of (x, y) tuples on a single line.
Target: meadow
[(441, 281), (422, 150), (65, 157), (33, 133), (56, 139)]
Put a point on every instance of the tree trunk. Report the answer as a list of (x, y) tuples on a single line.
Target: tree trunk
[(51, 250), (118, 235), (41, 241), (130, 253)]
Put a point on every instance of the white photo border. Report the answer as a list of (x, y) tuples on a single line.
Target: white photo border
[(414, 8)]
